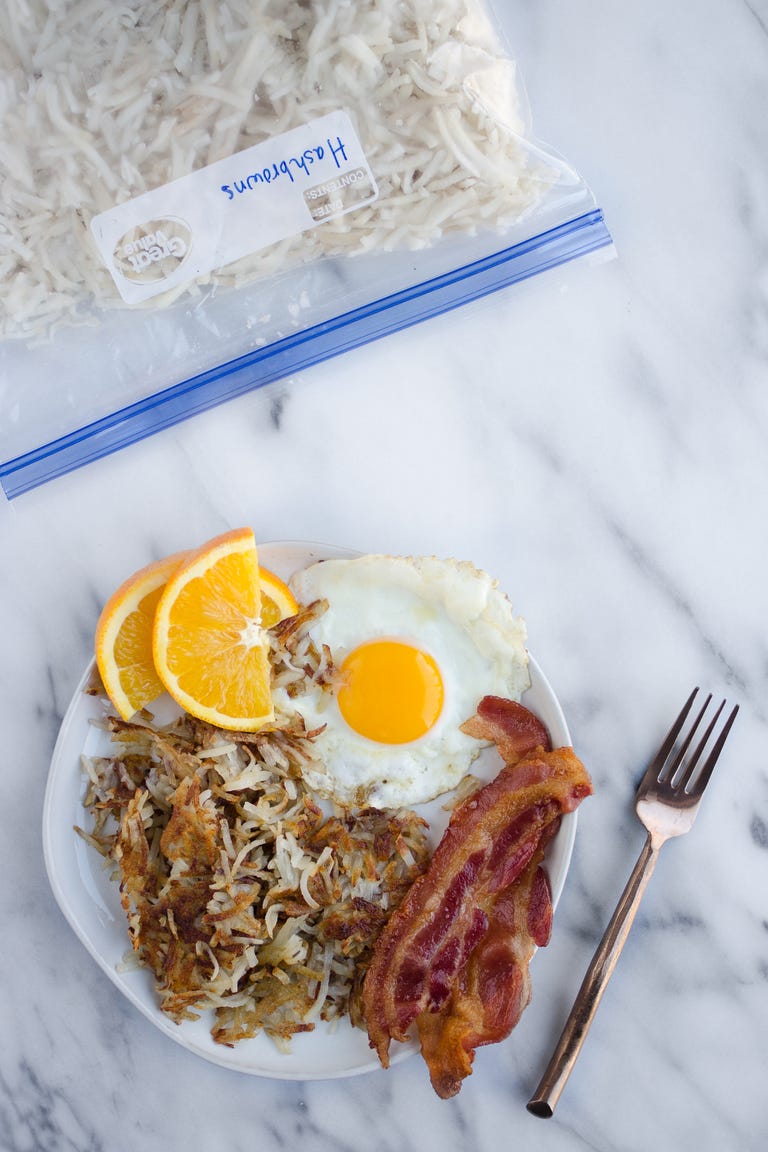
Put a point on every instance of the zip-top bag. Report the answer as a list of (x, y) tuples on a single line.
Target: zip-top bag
[(199, 198)]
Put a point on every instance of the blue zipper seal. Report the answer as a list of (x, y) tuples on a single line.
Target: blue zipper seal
[(577, 237)]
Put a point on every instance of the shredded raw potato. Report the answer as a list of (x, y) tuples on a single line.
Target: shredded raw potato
[(241, 895), (102, 102)]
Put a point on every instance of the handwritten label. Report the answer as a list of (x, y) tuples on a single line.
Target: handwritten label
[(234, 208)]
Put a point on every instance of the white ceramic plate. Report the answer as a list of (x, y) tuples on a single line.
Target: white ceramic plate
[(90, 901)]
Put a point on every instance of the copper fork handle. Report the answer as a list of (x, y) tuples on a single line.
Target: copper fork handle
[(600, 970)]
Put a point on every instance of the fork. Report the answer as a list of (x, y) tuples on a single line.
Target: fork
[(667, 801)]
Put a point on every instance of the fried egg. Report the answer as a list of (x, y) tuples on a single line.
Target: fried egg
[(416, 643)]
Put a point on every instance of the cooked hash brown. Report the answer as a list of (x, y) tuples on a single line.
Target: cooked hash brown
[(241, 895)]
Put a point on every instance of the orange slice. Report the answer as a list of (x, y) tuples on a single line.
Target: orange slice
[(209, 646), (124, 637), (277, 600)]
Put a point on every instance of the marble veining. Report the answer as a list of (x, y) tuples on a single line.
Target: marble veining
[(597, 439)]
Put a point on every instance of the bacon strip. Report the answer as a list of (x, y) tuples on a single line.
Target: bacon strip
[(491, 992), (514, 729), (454, 956)]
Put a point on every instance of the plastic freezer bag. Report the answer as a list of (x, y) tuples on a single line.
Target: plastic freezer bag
[(201, 196)]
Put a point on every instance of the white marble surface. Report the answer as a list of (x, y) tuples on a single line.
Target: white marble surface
[(597, 439)]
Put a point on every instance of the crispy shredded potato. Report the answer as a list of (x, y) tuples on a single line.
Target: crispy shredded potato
[(242, 896)]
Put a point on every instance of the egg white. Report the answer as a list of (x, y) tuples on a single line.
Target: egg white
[(450, 609)]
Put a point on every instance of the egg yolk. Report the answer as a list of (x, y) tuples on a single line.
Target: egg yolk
[(390, 692)]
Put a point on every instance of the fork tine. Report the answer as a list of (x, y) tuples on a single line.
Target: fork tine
[(660, 759), (684, 777), (669, 772), (702, 779)]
